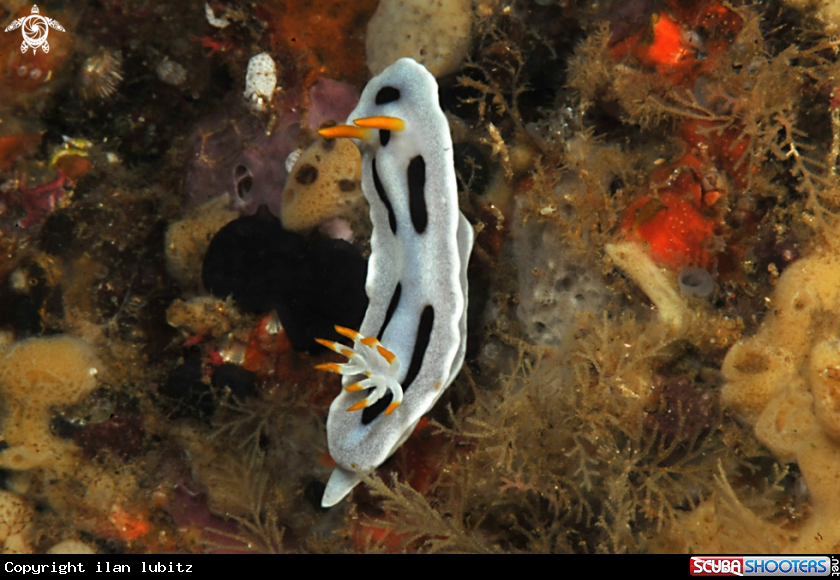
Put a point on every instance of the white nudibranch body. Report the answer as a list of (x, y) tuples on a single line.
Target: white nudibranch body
[(412, 341)]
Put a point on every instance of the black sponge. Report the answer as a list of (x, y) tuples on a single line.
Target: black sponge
[(313, 286)]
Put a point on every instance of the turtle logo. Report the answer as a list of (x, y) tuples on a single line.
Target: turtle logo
[(35, 31)]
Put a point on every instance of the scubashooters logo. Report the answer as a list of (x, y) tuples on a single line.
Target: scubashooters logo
[(717, 566), (760, 566), (35, 29)]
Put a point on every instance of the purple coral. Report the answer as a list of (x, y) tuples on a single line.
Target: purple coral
[(38, 202), (235, 156), (330, 100), (122, 433), (686, 408)]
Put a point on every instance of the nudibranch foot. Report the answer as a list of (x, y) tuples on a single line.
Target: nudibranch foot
[(372, 360), (339, 485)]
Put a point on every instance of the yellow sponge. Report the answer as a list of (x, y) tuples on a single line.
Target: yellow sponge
[(324, 183), (36, 374)]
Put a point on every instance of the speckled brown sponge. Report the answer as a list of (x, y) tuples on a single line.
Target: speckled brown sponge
[(324, 183), (435, 33)]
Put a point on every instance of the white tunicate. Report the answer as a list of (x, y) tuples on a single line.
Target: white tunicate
[(72, 548), (696, 282), (171, 72), (213, 19), (260, 81), (292, 159), (693, 39)]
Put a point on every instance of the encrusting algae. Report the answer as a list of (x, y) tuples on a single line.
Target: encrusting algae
[(171, 252)]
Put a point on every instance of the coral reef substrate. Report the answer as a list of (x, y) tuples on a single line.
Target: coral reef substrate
[(652, 333)]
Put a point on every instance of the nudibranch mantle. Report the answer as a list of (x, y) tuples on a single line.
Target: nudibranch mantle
[(417, 274)]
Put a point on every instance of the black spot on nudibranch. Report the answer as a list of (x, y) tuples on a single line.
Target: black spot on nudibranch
[(417, 194), (424, 336), (392, 219), (387, 95), (384, 137), (392, 307)]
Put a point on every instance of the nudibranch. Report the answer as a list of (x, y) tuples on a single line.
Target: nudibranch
[(412, 340)]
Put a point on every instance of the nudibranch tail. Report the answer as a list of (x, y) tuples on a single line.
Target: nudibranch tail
[(368, 357)]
